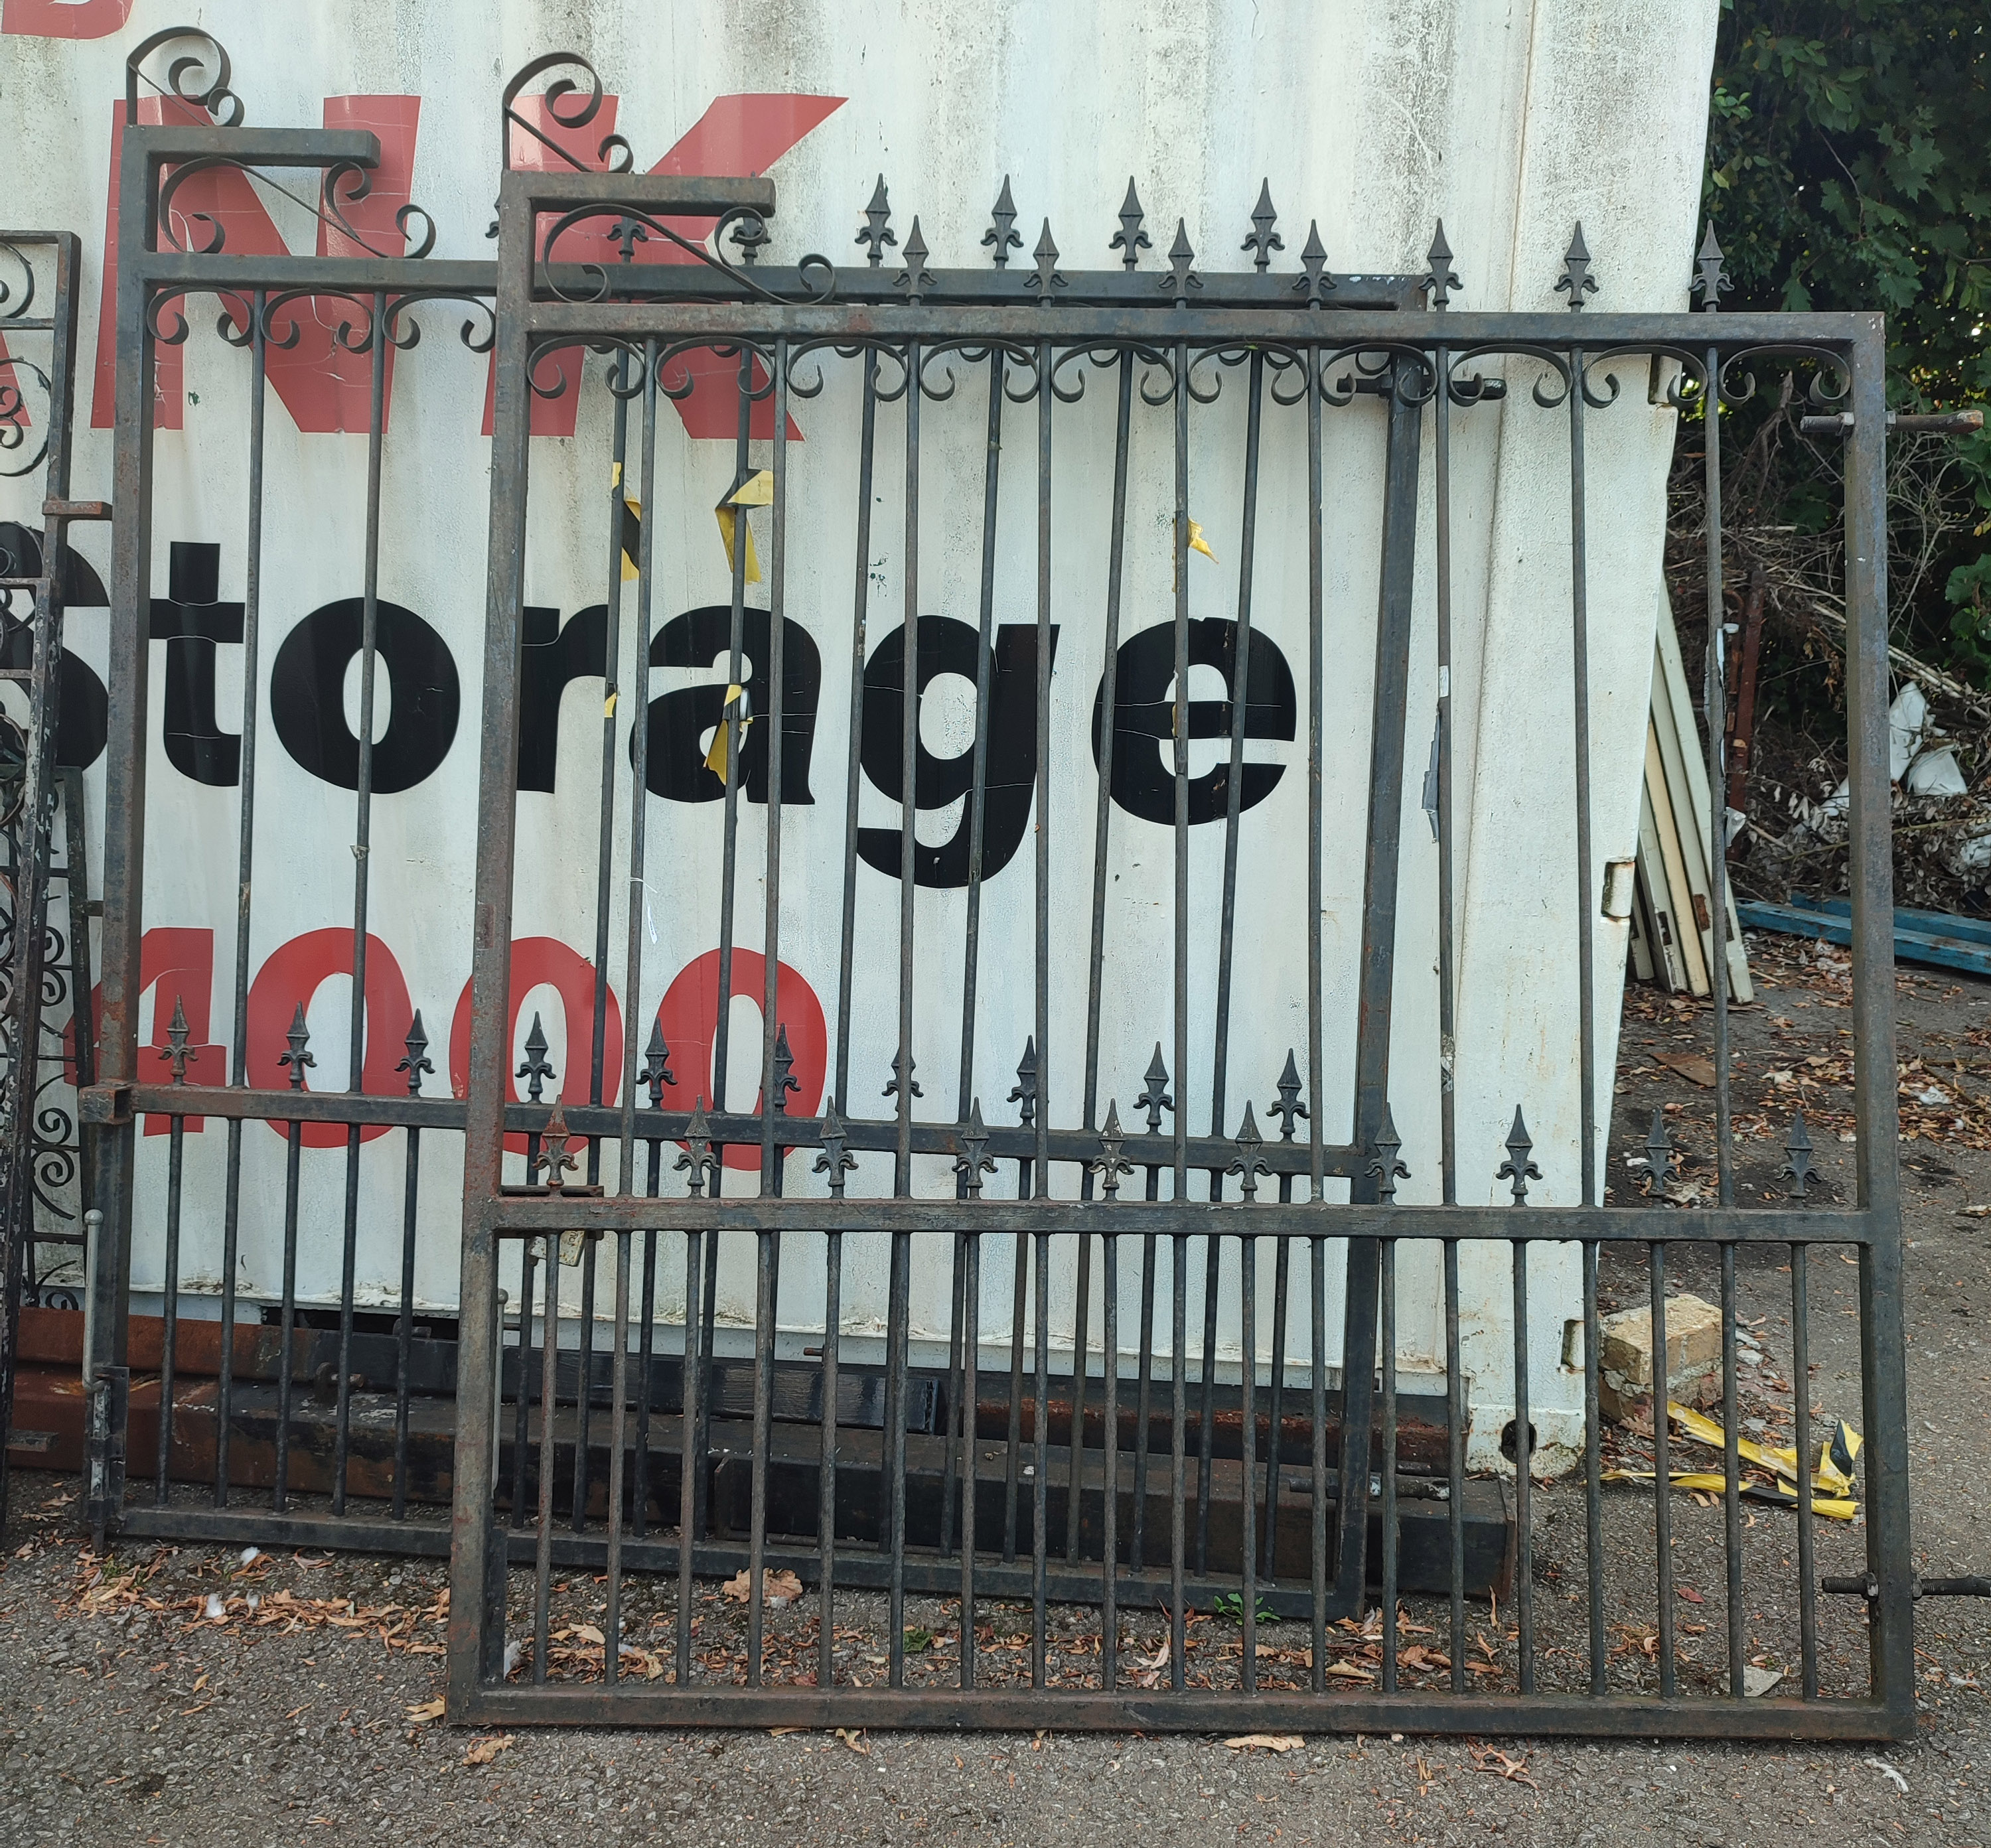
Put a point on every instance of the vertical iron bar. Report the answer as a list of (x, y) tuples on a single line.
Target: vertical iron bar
[(287, 1335), (1388, 1269), (764, 1394), (542, 1565), (362, 851), (895, 1437), (1663, 1512), (1041, 1468), (1715, 695), (523, 1408), (1317, 1361), (1177, 1411), (1247, 1538), (1593, 1470), (169, 1329), (1144, 1389), (404, 1331), (1019, 1298), (1213, 1283), (1109, 1549), (1109, 685), (859, 608), (1586, 898), (252, 612), (1455, 1426), (970, 1354), (1041, 890), (1075, 1449), (1524, 1478), (833, 1324), (617, 1436), (1316, 698), (1447, 998), (1800, 1437), (691, 1461), (1276, 1408), (583, 1393), (1731, 1463)]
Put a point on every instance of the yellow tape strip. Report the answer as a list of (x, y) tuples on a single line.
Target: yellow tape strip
[(716, 758), (1834, 1473), (757, 491)]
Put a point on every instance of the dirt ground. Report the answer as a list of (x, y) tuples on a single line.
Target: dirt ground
[(129, 1714)]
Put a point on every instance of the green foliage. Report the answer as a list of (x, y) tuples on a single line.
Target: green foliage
[(919, 1640), (1230, 1605), (1849, 166)]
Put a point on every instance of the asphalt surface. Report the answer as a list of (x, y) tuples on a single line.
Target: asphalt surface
[(144, 1699)]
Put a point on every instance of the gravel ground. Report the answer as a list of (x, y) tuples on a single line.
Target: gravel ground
[(128, 1715)]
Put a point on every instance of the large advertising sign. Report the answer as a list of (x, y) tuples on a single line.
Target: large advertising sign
[(1368, 127)]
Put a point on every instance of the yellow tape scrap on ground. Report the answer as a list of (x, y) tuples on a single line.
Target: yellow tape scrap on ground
[(1833, 1482), (1836, 1457)]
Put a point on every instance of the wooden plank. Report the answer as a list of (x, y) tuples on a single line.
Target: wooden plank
[(1687, 772), (1654, 912), (1679, 891)]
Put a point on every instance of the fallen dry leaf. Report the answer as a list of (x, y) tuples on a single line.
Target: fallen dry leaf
[(1348, 1671), (1690, 1066), (1271, 1741), (854, 1739), (778, 1587), (422, 1714), (483, 1751), (1496, 1763)]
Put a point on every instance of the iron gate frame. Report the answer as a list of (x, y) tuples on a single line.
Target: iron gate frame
[(31, 868), (537, 313)]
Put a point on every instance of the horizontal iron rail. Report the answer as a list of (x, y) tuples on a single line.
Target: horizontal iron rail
[(995, 1710), (531, 1216), (105, 1103)]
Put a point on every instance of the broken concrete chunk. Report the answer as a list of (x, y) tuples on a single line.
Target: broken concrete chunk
[(1692, 1363)]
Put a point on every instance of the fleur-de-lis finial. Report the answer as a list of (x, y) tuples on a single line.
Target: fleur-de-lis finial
[(1710, 280), (1442, 279), (915, 279), (785, 1079), (974, 1160), (1289, 1106), (836, 1160), (1517, 1168), (1025, 1090), (877, 232), (1797, 1146), (1002, 232), (1659, 1154), (177, 1035), (535, 1070), (1112, 1163), (626, 233), (1181, 277), (903, 1065), (751, 234), (1576, 280), (1130, 240), (1313, 260), (1250, 1162), (1155, 1097), (697, 1155), (1386, 1168), (417, 1060), (554, 1161), (1045, 257), (298, 1056), (1261, 240), (657, 1065)]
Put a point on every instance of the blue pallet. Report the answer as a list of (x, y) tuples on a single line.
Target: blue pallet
[(1933, 938)]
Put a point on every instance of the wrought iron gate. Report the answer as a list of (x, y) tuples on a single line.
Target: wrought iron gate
[(1000, 1473), (42, 1190), (1039, 335)]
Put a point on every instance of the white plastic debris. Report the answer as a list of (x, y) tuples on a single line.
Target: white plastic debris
[(514, 1654), (251, 1554), (1888, 1771), (1938, 773), (216, 1610)]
